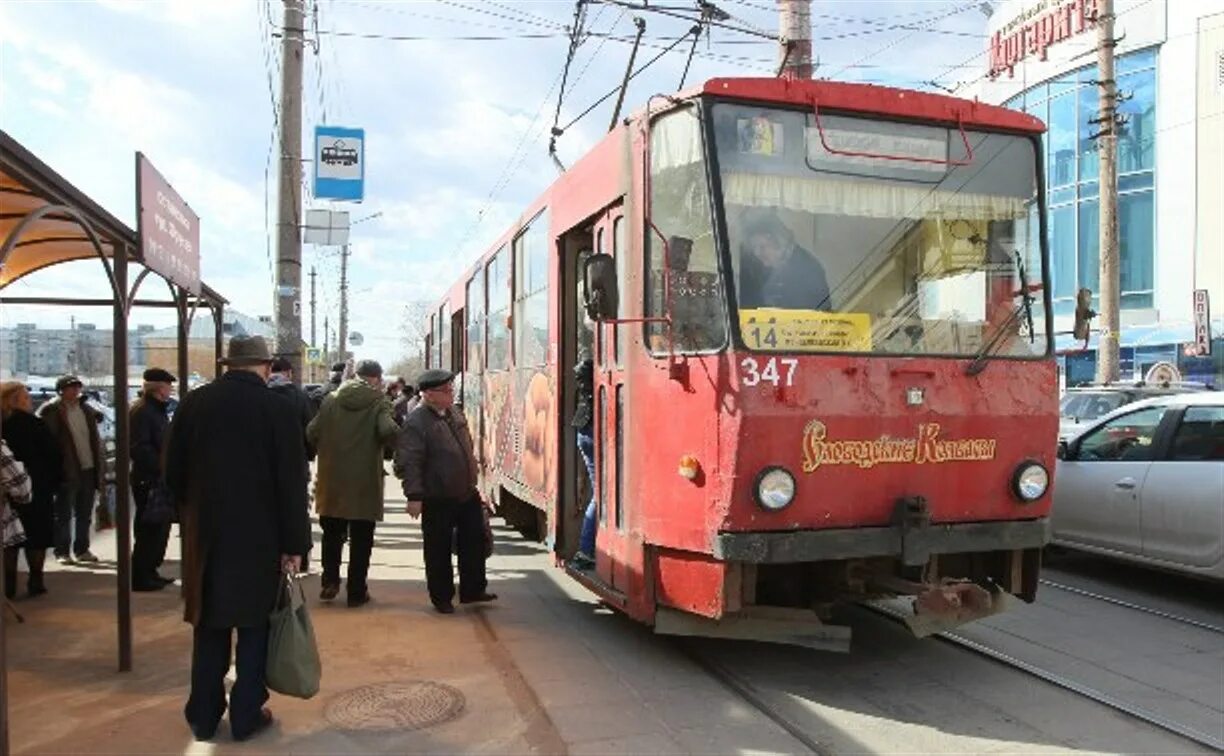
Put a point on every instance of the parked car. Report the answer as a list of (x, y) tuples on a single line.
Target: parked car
[(1145, 483), (1082, 406)]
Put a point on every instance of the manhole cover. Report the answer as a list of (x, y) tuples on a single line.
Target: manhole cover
[(395, 706)]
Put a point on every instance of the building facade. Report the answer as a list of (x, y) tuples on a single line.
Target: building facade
[(1170, 76)]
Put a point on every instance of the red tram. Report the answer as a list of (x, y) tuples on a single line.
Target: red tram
[(871, 411)]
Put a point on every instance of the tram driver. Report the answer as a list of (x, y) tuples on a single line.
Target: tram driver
[(775, 271)]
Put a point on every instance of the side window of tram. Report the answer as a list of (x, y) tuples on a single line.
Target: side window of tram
[(680, 209), (1124, 439), (443, 338), (1200, 437), (497, 277), (475, 324), (531, 294)]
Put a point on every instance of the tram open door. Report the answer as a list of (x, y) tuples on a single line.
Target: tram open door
[(607, 348)]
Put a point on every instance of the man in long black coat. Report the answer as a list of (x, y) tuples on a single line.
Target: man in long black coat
[(236, 464)]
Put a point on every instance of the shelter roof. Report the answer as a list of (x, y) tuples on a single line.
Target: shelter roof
[(26, 184)]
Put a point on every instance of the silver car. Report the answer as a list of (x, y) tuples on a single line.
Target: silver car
[(1145, 483)]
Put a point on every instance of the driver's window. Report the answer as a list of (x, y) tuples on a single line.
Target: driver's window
[(680, 211), (1124, 439)]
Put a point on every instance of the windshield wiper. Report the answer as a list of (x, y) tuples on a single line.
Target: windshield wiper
[(1025, 308)]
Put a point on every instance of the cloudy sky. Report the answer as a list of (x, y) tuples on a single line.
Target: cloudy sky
[(456, 97)]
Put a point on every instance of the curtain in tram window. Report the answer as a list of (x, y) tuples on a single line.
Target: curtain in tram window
[(866, 199)]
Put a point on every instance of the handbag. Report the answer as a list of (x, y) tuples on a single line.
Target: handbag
[(488, 529), (159, 507), (294, 668)]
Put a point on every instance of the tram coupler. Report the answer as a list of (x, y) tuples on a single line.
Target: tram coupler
[(948, 604)]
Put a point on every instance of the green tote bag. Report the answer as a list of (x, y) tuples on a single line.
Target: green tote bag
[(294, 668)]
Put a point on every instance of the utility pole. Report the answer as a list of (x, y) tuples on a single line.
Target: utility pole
[(342, 337), (795, 30), (313, 343), (288, 303), (1107, 143), (327, 355)]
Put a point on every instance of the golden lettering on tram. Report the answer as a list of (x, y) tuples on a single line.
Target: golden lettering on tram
[(926, 448)]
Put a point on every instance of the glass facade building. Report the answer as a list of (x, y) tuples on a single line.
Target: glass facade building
[(1068, 105)]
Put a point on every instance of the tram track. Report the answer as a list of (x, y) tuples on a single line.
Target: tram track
[(1137, 712), (1131, 605), (747, 691)]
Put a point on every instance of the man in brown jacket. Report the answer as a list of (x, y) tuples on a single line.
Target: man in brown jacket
[(434, 460), (75, 427)]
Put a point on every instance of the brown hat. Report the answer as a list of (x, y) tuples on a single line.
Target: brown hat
[(246, 350)]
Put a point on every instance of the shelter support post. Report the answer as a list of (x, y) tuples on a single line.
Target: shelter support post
[(218, 337), (123, 517), (184, 327)]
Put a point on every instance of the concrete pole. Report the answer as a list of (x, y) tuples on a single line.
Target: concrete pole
[(289, 240), (327, 355), (342, 337), (795, 29), (1108, 350)]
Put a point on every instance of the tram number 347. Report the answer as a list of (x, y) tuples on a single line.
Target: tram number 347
[(755, 374)]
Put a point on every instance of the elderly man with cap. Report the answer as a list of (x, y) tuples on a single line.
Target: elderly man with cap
[(236, 466), (75, 427), (349, 434), (435, 462), (149, 419)]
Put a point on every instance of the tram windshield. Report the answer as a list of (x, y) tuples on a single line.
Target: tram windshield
[(854, 235)]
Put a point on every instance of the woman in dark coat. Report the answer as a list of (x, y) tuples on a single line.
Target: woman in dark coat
[(34, 446)]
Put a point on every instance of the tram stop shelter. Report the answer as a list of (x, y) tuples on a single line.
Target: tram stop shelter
[(45, 221)]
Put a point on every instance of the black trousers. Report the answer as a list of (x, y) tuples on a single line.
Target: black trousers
[(360, 535), (151, 539), (210, 661), (441, 520)]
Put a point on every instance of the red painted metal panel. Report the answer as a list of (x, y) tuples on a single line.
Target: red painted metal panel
[(887, 102), (690, 582)]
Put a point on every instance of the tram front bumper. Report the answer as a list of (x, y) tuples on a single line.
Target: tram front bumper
[(913, 544)]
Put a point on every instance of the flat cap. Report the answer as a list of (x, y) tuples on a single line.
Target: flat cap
[(369, 369), (158, 375), (338, 367), (281, 365), (64, 381), (431, 379)]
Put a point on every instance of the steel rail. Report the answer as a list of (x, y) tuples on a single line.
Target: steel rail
[(749, 693), (1130, 605), (1168, 725)]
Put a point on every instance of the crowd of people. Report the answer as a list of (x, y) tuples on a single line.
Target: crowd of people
[(232, 465)]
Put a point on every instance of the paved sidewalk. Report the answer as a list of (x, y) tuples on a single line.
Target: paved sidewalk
[(544, 670)]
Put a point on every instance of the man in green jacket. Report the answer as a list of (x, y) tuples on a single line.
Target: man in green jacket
[(350, 432)]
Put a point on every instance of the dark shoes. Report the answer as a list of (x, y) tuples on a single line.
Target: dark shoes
[(148, 585), (479, 599), (447, 608), (356, 601), (581, 562), (265, 721), (37, 588), (329, 592)]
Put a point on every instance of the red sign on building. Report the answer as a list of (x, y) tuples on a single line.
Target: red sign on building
[(168, 229), (1034, 31)]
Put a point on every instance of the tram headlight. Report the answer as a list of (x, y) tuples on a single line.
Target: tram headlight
[(775, 488), (1031, 481)]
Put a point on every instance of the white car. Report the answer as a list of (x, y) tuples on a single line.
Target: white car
[(1145, 483)]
